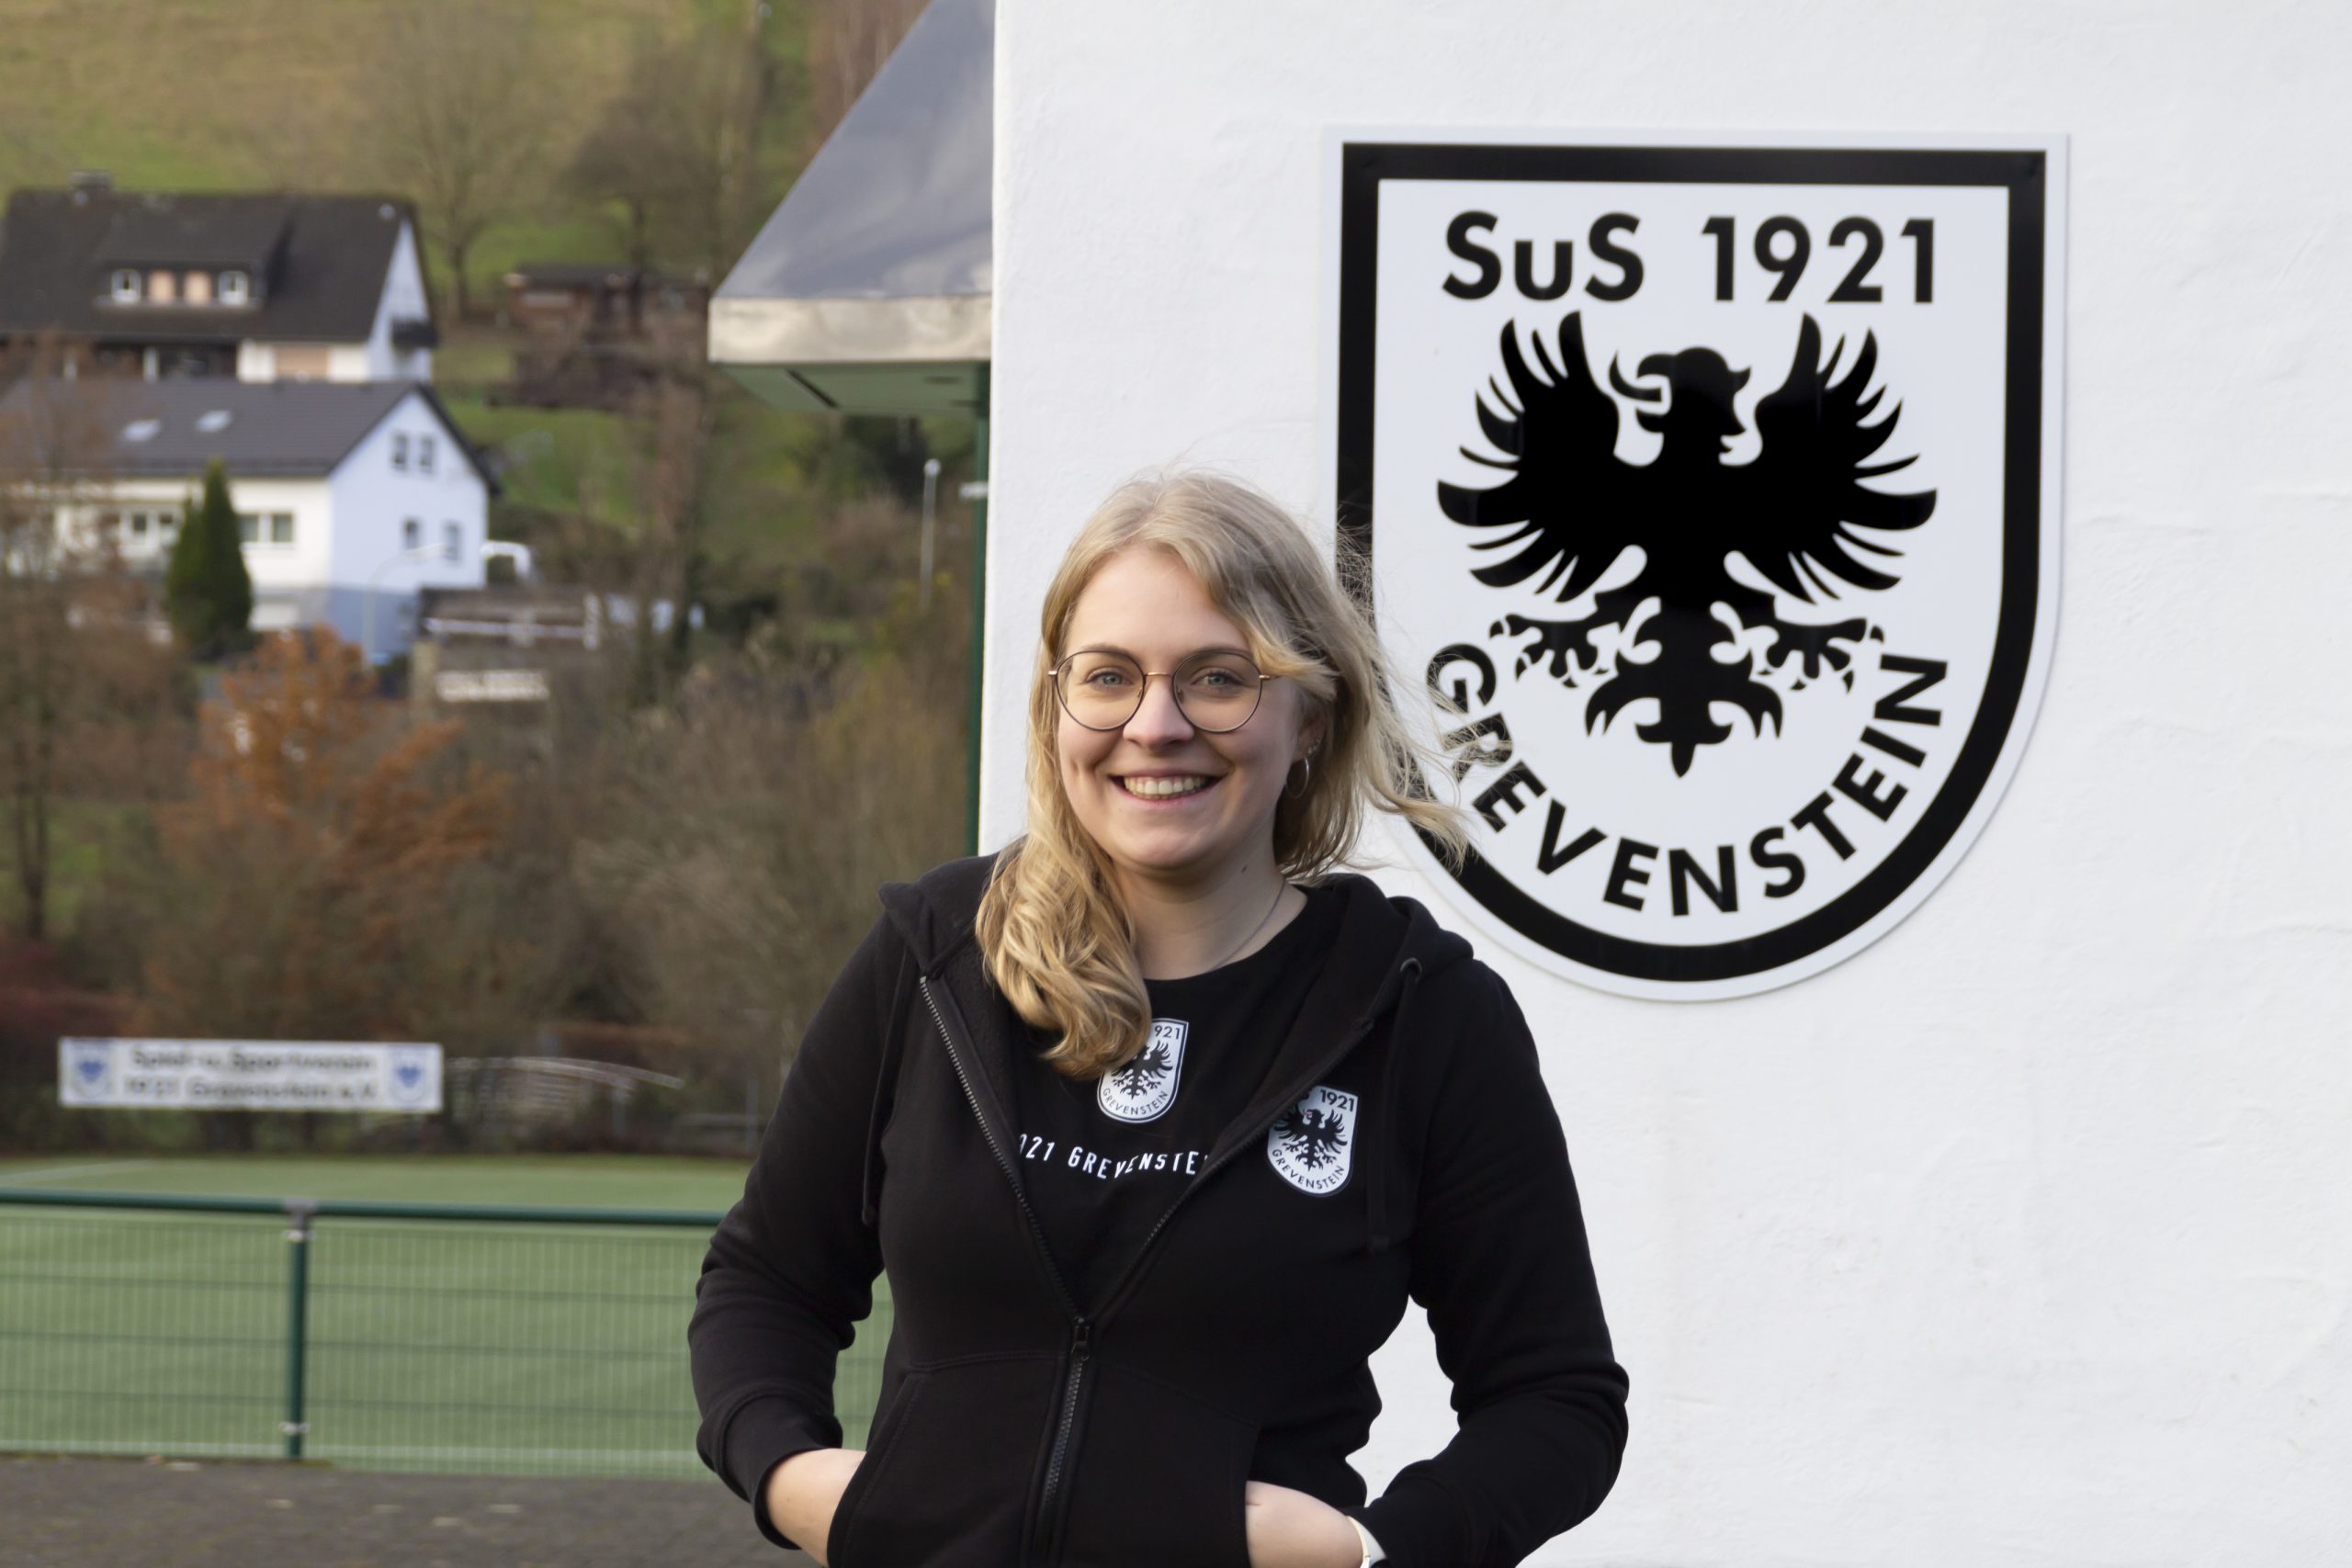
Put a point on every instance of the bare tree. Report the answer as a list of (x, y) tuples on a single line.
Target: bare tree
[(738, 834), (848, 43), (460, 125), (673, 153), (55, 439), (671, 473)]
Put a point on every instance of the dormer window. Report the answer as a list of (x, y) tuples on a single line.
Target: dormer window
[(163, 287), (126, 287), (235, 288), (196, 288), (400, 451)]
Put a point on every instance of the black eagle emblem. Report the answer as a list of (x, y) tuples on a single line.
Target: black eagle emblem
[(1139, 1076), (1574, 509), (1313, 1138)]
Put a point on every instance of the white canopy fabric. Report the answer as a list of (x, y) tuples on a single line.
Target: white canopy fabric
[(868, 289)]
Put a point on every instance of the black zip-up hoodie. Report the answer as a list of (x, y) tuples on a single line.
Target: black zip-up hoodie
[(1018, 1428)]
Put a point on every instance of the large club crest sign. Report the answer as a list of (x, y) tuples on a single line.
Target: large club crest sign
[(1716, 487)]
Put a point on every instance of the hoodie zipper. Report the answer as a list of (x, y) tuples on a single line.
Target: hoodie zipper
[(1047, 1520), (1081, 1340), (1045, 1543)]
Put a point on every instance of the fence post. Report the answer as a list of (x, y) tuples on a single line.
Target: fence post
[(298, 1213)]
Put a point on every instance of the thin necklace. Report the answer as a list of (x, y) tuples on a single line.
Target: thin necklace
[(1279, 890)]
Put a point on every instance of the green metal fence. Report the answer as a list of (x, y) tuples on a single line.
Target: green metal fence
[(449, 1337)]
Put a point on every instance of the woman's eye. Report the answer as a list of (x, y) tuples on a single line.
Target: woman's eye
[(1106, 678)]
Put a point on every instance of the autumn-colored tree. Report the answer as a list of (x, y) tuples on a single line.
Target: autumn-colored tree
[(313, 882)]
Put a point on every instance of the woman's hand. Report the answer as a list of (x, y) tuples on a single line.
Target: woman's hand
[(1291, 1530), (804, 1491)]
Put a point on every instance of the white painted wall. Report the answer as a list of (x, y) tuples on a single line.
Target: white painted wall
[(279, 571), (372, 499), (404, 298), (2022, 1236)]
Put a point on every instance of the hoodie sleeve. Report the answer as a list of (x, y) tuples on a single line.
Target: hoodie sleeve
[(791, 1269), (1500, 1261)]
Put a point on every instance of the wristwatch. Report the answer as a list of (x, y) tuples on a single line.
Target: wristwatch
[(1371, 1553)]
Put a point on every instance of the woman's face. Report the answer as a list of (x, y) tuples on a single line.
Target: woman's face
[(1144, 601)]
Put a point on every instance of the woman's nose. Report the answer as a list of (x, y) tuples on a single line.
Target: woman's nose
[(1157, 720)]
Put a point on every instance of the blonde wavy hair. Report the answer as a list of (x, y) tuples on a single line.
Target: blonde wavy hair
[(1054, 934)]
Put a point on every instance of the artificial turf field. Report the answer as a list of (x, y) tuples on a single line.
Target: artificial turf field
[(531, 1348), (589, 1181)]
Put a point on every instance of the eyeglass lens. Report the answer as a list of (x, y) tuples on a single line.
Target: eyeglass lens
[(1217, 691)]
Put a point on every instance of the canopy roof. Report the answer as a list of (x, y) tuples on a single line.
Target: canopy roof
[(868, 289)]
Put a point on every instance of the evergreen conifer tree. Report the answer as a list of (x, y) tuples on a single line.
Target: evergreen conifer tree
[(207, 592)]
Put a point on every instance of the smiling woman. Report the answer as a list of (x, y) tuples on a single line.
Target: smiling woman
[(1158, 820), (1240, 1106)]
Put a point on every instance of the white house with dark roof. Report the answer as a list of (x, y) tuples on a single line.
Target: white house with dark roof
[(263, 287), (347, 494)]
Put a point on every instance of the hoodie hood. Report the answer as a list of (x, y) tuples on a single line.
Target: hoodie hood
[(1387, 949)]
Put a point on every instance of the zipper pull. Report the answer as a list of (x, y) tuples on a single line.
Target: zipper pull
[(1080, 1331)]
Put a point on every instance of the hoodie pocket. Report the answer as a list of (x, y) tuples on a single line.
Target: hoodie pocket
[(945, 1478), (1158, 1479)]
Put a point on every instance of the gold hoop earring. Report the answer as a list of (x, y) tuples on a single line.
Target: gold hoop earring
[(1305, 780)]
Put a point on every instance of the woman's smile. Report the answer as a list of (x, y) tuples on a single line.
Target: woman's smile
[(1164, 789)]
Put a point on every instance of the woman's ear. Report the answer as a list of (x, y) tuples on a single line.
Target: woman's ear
[(1313, 731)]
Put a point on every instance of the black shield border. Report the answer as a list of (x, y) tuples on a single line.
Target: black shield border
[(2024, 174)]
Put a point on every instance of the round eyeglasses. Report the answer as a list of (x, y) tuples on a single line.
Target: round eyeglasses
[(1215, 690)]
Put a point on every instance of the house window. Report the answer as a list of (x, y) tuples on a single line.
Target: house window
[(265, 527), (163, 287), (198, 288), (411, 534), (234, 288), (126, 288), (400, 450), (139, 527), (425, 454), (452, 542)]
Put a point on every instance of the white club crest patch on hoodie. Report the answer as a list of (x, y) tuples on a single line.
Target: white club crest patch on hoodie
[(1314, 1144), (1145, 1084)]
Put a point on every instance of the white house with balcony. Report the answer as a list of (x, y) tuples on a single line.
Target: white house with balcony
[(350, 497), (257, 286)]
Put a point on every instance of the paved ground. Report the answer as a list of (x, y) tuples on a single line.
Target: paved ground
[(108, 1513)]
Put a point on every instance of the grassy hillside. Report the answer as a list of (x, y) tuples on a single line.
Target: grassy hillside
[(210, 94)]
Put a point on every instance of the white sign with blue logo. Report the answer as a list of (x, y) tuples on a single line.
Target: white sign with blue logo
[(248, 1074)]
